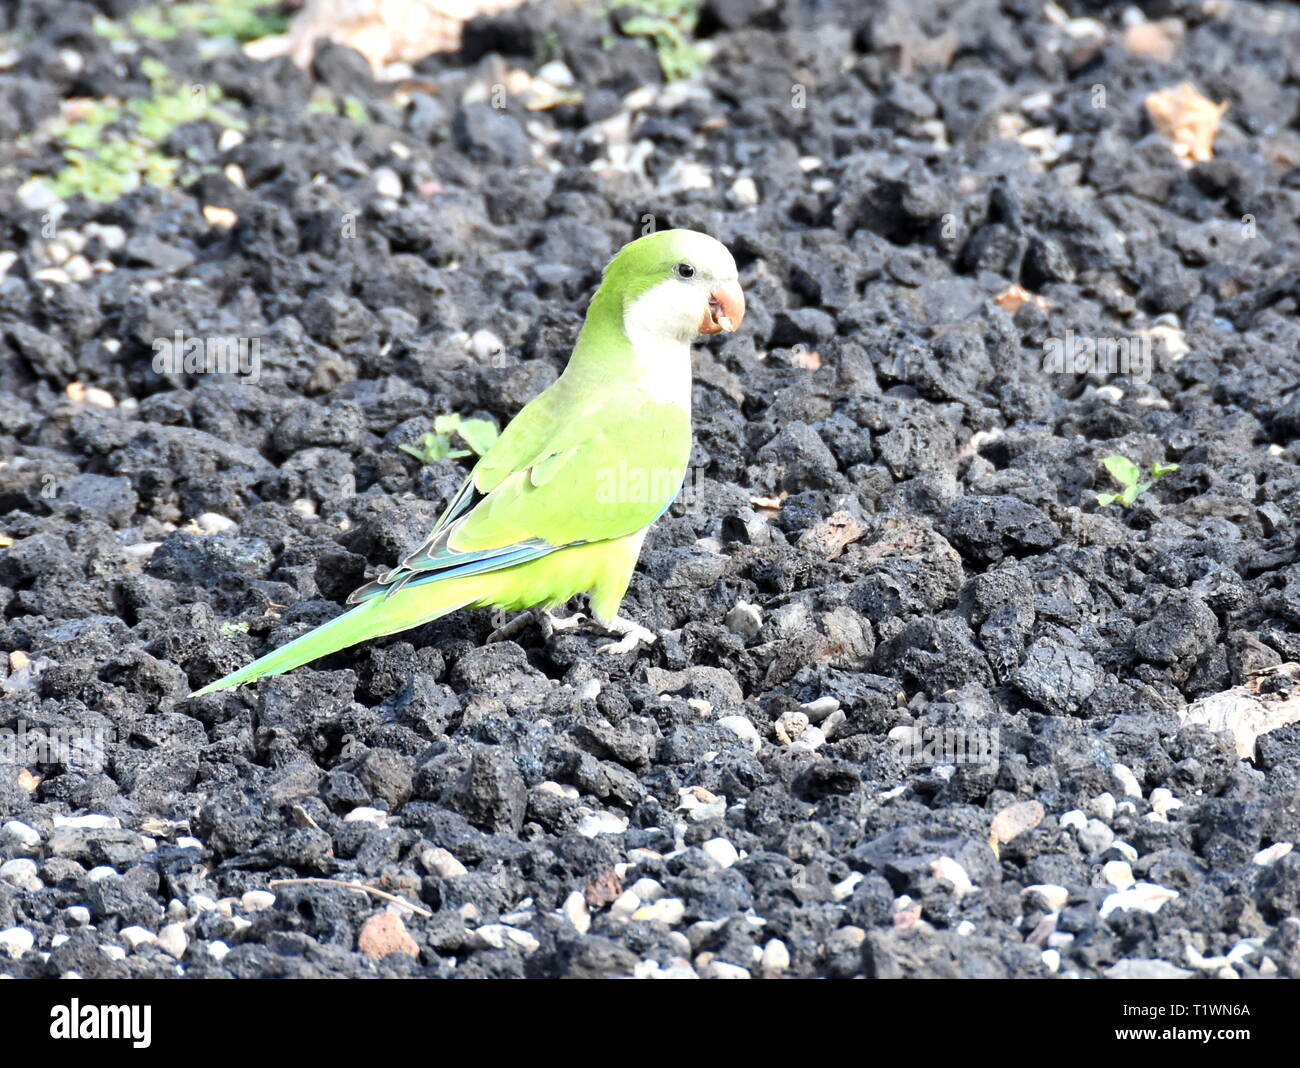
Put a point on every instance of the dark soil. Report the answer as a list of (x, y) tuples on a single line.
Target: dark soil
[(980, 587)]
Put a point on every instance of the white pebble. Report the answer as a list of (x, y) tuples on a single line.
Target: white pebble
[(1163, 801), (113, 952), (366, 814), (1143, 897), (218, 950), (601, 823), (498, 936), (776, 957), (721, 852), (744, 619), (21, 874), (1074, 818), (743, 729), (172, 941), (718, 969), (647, 889), (388, 183), (575, 910), (16, 834), (1052, 958), (1273, 853), (16, 941), (669, 911), (94, 822), (624, 906), (1055, 896), (949, 870), (256, 900), (1103, 806), (1119, 873), (77, 914), (1127, 780), (439, 861), (136, 936), (744, 192)]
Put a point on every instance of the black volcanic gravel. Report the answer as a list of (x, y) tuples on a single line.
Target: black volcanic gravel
[(938, 555)]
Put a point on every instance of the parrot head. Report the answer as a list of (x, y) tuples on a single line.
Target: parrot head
[(675, 284)]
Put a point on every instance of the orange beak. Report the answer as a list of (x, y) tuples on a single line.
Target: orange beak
[(726, 309)]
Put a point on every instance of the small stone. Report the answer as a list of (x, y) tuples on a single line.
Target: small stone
[(172, 941), (1143, 897), (203, 903), (214, 523), (744, 619), (385, 933), (438, 861), (843, 890), (596, 823), (387, 183), (743, 729), (1146, 969), (93, 822), (1123, 775), (77, 915), (700, 805), (16, 941), (949, 870), (256, 900), (776, 957), (230, 138), (1074, 818), (1124, 850), (366, 814), (647, 889), (221, 218), (744, 192), (218, 950), (575, 911), (1273, 853), (791, 726), (1119, 873), (721, 852), (136, 936), (624, 906), (1163, 801), (483, 345), (669, 911), (499, 935), (717, 969), (1015, 819), (1096, 837), (1055, 896), (1052, 959), (1103, 806), (21, 874)]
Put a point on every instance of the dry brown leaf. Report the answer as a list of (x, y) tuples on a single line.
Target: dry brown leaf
[(1188, 119)]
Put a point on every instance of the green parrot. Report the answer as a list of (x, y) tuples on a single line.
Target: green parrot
[(561, 502)]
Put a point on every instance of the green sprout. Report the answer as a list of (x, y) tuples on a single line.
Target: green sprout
[(242, 20), (112, 148), (666, 26), (1129, 477), (478, 434)]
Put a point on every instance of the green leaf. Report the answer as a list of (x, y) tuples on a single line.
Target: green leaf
[(1107, 499), (478, 434), (1121, 469), (1158, 469)]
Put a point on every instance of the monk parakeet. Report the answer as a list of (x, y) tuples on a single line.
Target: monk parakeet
[(561, 502)]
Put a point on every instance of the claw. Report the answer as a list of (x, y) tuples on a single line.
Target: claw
[(633, 634)]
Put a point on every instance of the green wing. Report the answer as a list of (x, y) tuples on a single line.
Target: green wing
[(551, 482)]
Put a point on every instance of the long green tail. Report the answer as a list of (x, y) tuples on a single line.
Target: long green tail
[(407, 608)]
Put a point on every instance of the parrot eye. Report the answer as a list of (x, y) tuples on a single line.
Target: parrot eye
[(684, 270)]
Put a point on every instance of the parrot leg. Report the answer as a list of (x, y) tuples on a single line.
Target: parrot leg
[(547, 623), (632, 635)]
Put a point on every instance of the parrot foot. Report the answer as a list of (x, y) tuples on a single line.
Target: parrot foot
[(633, 634)]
